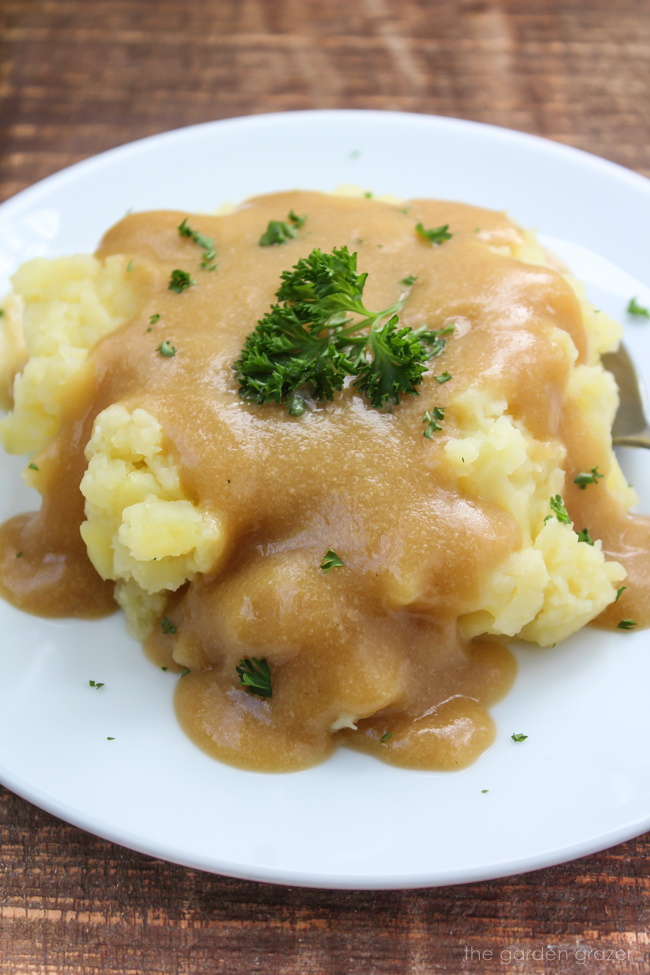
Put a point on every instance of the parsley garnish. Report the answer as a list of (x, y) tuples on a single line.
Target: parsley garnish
[(167, 626), (32, 466), (437, 235), (179, 281), (519, 737), (443, 378), (408, 281), (308, 341), (634, 308), (166, 349), (19, 555), (559, 510), (130, 266), (619, 593), (584, 536), (626, 625), (155, 318), (582, 479), (92, 683), (207, 243), (110, 739), (2, 311), (386, 737), (331, 561), (432, 418), (280, 231), (255, 676), (483, 791), (185, 671)]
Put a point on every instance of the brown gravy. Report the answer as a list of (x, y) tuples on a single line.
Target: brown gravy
[(377, 639)]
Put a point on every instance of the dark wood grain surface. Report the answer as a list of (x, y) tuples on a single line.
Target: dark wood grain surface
[(81, 76)]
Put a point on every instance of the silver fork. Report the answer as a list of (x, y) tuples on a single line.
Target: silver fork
[(631, 427)]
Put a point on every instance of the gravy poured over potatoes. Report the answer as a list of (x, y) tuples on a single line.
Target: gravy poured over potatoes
[(209, 517)]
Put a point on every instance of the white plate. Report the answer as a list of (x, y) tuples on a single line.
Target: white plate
[(581, 782)]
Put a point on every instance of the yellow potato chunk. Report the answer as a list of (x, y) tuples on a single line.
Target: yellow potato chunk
[(141, 529)]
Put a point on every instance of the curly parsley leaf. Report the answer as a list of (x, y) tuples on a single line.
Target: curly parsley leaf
[(519, 737), (308, 343), (584, 536), (255, 676)]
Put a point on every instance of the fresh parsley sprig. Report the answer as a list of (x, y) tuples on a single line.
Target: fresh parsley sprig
[(308, 343)]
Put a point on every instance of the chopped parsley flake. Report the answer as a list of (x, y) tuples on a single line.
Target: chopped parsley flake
[(130, 266), (408, 281), (619, 593), (206, 243), (166, 349), (483, 791), (582, 479), (436, 235), (559, 510), (155, 318), (179, 281), (432, 419), (626, 625), (331, 561), (584, 536), (280, 231), (634, 308), (444, 377), (19, 555), (185, 671), (386, 737), (255, 676), (519, 737), (92, 683), (163, 668), (167, 626), (110, 739), (32, 467), (2, 311)]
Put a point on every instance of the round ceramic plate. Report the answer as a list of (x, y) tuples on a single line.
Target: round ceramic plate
[(581, 780)]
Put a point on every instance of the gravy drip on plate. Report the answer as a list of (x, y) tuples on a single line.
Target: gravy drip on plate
[(368, 653)]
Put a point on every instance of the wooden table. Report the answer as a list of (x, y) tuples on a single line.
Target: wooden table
[(80, 76)]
